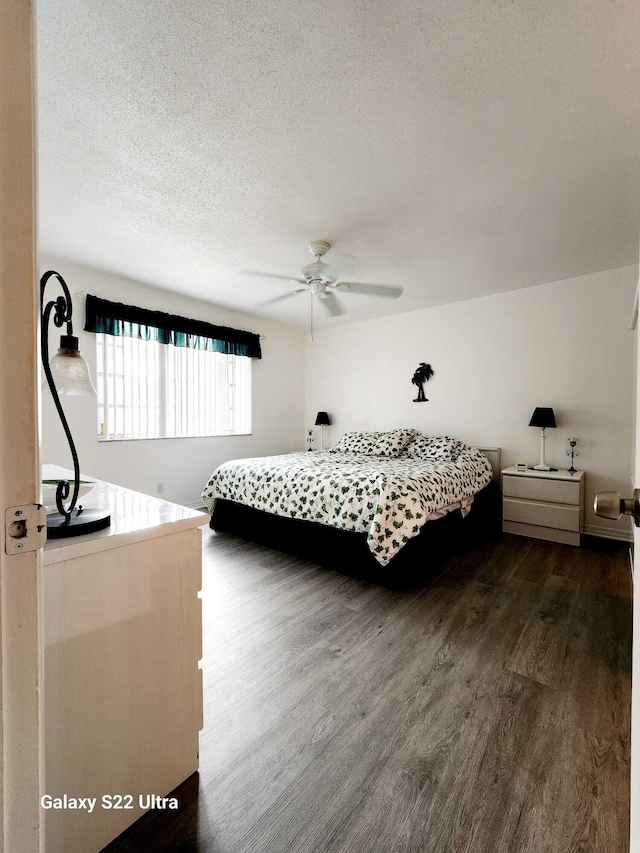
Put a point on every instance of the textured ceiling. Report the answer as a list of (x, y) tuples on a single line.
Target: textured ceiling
[(453, 148)]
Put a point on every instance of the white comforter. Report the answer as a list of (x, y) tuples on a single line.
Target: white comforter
[(388, 499)]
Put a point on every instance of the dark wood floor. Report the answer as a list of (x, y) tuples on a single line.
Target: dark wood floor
[(486, 710)]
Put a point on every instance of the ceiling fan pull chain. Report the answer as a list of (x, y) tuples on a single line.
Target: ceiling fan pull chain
[(311, 296)]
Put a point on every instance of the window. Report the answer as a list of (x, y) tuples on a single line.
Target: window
[(147, 389)]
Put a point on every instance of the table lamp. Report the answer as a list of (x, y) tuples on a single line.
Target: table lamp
[(69, 369), (543, 418), (322, 420)]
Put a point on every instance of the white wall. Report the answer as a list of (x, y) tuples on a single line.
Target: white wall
[(565, 345), (183, 465)]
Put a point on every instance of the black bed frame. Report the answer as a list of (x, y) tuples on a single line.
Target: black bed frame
[(343, 550)]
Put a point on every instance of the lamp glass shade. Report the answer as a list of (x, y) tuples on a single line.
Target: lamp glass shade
[(322, 419), (542, 418), (71, 373)]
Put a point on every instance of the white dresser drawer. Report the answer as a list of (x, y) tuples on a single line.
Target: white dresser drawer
[(552, 491), (559, 516)]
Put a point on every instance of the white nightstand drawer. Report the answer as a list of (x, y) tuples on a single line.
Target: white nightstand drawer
[(554, 491), (548, 533), (559, 516)]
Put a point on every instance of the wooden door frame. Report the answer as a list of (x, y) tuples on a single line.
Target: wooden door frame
[(21, 751)]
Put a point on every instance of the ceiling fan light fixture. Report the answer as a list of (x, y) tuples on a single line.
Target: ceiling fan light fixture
[(318, 271)]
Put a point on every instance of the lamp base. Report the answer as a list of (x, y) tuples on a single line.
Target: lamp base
[(542, 468), (81, 522)]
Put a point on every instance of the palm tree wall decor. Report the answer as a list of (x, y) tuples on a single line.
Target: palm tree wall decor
[(423, 374)]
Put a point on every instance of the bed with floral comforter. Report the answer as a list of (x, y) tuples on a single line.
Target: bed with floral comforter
[(388, 497)]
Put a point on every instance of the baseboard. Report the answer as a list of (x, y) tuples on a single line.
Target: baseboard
[(196, 505), (607, 533), (588, 529)]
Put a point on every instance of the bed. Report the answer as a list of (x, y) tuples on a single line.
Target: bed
[(374, 495)]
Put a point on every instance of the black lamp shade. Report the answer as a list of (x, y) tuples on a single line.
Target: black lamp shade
[(322, 419), (542, 418)]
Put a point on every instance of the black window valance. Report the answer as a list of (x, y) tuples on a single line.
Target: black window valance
[(114, 318)]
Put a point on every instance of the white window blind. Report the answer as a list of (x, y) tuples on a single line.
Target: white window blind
[(152, 390)]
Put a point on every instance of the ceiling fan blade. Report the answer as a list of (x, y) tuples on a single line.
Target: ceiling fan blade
[(388, 291), (331, 304), (283, 296), (272, 275)]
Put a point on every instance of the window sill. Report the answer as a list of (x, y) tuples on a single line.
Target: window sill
[(104, 440)]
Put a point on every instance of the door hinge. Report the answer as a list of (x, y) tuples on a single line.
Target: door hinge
[(25, 528)]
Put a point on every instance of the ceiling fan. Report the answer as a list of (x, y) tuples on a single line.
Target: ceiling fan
[(321, 280)]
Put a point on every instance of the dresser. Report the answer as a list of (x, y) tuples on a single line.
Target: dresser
[(543, 504), (122, 638)]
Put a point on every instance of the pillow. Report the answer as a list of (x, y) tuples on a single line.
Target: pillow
[(435, 447), (389, 444), (357, 442), (393, 443)]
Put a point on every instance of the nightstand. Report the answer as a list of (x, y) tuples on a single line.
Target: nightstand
[(542, 504)]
